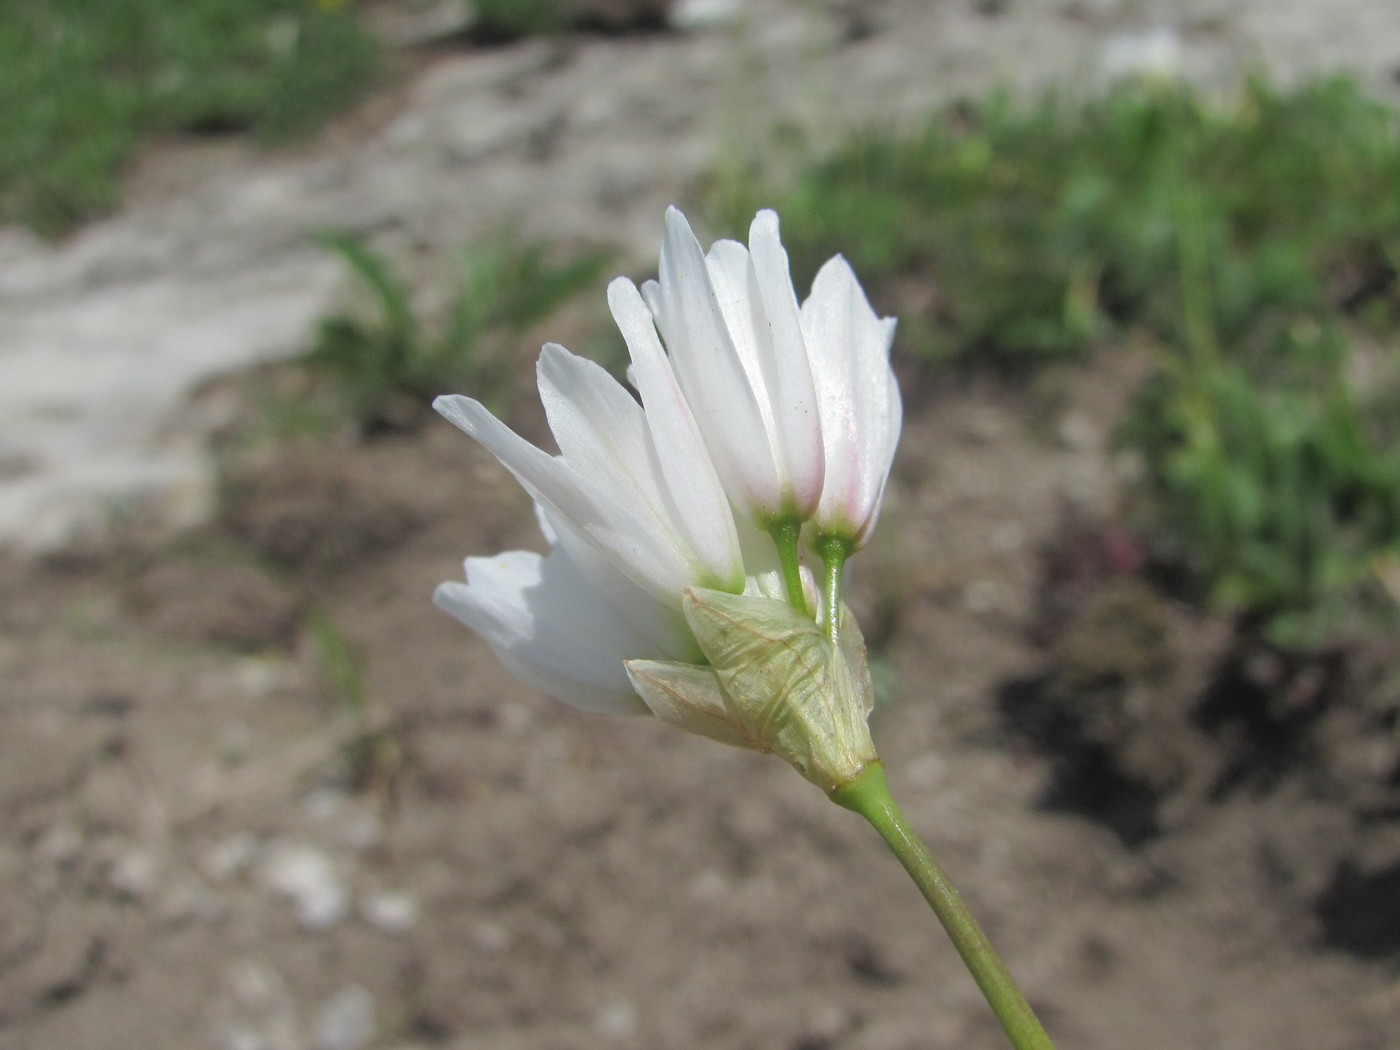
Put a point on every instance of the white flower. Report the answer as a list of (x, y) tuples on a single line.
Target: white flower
[(858, 398), (731, 325), (756, 415)]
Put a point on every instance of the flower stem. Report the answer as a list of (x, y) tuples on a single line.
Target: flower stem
[(786, 535), (834, 551), (869, 796)]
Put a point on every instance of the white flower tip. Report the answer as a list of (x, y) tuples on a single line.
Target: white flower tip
[(461, 411), (622, 293), (454, 598), (836, 271), (552, 355), (765, 224), (678, 227)]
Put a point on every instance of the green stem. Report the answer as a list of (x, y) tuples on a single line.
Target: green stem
[(786, 535), (834, 551), (869, 796)]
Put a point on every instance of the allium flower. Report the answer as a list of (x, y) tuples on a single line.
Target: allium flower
[(674, 582), (755, 416)]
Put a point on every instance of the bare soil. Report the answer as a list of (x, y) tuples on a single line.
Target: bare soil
[(259, 795), (186, 723)]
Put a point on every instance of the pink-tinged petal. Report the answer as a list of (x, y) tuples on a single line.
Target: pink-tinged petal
[(787, 374), (711, 373), (545, 625), (647, 556), (858, 398), (695, 497)]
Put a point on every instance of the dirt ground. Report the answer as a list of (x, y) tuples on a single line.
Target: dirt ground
[(210, 845), (260, 795)]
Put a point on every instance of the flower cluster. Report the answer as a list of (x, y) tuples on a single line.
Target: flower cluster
[(757, 423)]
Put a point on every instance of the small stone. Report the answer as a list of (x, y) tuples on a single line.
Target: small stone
[(230, 856), (390, 910), (490, 936), (1153, 52), (347, 1020), (616, 1020), (134, 873), (704, 14), (307, 877)]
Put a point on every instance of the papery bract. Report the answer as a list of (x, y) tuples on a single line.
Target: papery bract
[(774, 683)]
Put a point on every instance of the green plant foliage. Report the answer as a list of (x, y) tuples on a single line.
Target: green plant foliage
[(1041, 229), (1283, 493), (1256, 244), (342, 665), (390, 362), (512, 19), (83, 82)]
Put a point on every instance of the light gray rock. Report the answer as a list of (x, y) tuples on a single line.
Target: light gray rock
[(585, 138), (308, 878), (346, 1021)]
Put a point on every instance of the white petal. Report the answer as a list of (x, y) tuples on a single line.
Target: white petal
[(602, 435), (659, 624), (696, 497), (787, 375), (544, 624), (731, 276), (711, 373), (858, 397), (648, 556)]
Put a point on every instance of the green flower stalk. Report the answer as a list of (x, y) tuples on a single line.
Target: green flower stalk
[(762, 432)]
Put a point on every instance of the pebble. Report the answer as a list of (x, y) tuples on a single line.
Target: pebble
[(307, 876), (1156, 51), (134, 873), (490, 936), (391, 910), (229, 856), (347, 1020), (704, 14), (616, 1020)]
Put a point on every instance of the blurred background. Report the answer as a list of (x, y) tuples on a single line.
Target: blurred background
[(1132, 606)]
